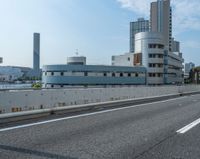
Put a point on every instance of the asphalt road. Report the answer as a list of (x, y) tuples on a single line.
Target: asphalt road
[(143, 131)]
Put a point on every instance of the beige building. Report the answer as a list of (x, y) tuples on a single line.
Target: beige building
[(161, 21)]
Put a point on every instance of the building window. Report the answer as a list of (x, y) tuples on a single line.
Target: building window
[(62, 73), (52, 73), (85, 74), (136, 75), (52, 86), (121, 75), (41, 107), (161, 46), (104, 74), (129, 59), (152, 56), (129, 74), (113, 74), (45, 73)]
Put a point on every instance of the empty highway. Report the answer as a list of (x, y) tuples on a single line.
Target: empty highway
[(161, 130)]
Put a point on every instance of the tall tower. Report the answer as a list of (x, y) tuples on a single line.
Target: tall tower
[(141, 25), (161, 20), (36, 52)]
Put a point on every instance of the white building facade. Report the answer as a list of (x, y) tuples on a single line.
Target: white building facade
[(163, 67), (123, 60)]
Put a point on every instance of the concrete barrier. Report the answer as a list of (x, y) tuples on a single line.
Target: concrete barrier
[(25, 100), (27, 115)]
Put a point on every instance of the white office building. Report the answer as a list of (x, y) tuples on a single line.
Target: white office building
[(163, 67)]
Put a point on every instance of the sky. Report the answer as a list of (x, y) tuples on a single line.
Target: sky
[(97, 28)]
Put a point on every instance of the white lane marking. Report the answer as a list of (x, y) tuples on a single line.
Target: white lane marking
[(188, 127), (83, 115)]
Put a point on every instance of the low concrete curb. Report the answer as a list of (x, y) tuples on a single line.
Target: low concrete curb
[(27, 115)]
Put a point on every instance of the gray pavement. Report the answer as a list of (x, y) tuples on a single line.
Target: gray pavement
[(148, 131)]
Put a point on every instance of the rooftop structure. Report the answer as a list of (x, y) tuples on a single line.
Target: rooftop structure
[(76, 60)]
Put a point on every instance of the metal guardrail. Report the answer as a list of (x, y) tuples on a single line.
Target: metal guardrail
[(27, 115)]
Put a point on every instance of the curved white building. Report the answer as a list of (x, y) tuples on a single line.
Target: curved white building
[(149, 52), (163, 67)]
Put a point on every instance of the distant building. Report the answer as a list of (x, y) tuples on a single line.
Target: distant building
[(123, 60), (161, 21), (195, 75), (175, 46), (36, 71), (36, 54), (189, 67), (9, 73), (141, 25)]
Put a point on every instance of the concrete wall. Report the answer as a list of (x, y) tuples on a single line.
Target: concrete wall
[(40, 99)]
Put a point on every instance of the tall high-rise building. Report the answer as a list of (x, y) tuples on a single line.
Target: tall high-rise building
[(36, 52), (141, 25), (161, 20)]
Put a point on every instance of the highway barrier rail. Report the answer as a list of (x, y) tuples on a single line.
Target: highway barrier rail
[(78, 109)]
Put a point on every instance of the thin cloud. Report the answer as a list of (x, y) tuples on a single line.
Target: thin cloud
[(185, 12)]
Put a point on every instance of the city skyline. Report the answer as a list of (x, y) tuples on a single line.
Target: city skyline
[(98, 29)]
